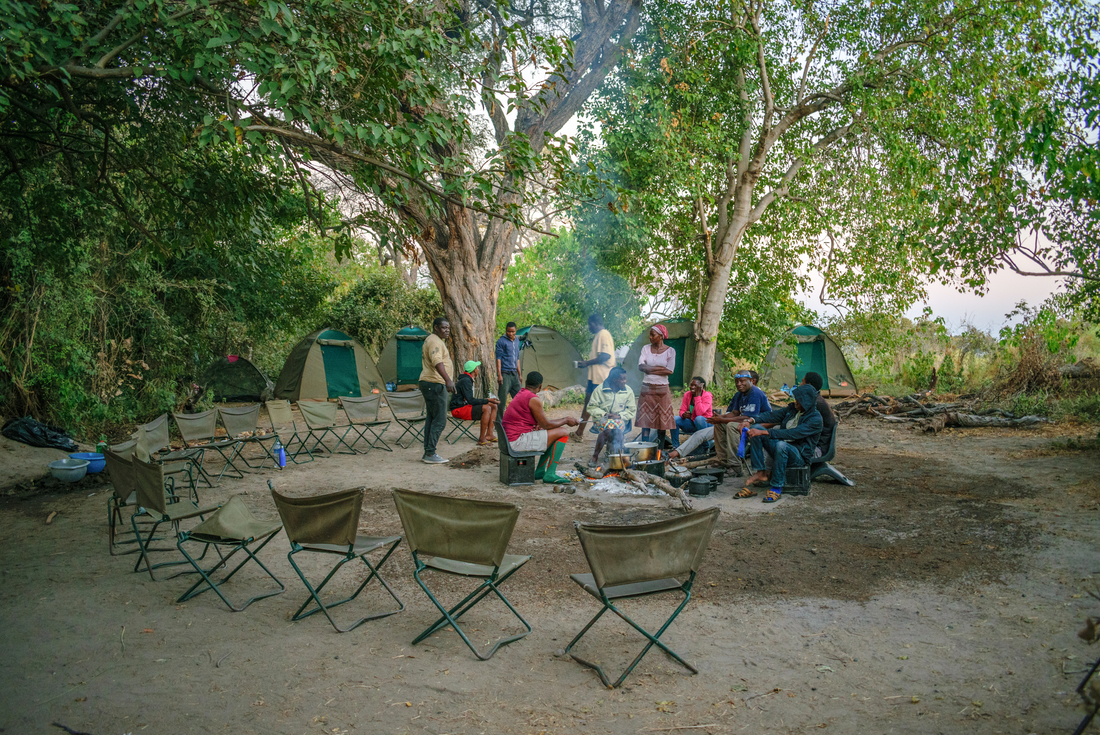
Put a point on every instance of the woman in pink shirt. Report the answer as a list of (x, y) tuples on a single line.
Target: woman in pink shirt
[(695, 409)]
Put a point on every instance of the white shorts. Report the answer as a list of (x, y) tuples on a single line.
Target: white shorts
[(530, 442)]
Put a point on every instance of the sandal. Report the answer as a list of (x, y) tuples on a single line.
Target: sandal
[(772, 496), (746, 492)]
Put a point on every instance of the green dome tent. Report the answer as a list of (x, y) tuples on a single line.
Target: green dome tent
[(814, 351), (549, 352), (681, 337), (234, 378), (327, 364), (401, 358)]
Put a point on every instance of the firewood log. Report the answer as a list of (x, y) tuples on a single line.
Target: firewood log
[(643, 479)]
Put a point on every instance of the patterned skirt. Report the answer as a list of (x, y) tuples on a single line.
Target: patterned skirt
[(655, 408)]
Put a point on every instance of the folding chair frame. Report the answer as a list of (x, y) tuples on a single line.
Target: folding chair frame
[(414, 425), (450, 617), (366, 430), (210, 443), (460, 426), (143, 546), (654, 639), (238, 545), (319, 433), (258, 440), (288, 445), (349, 555)]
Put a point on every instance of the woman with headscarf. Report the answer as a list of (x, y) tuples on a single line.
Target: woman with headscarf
[(655, 402)]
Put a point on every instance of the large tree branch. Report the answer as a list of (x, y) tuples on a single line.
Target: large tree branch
[(784, 186)]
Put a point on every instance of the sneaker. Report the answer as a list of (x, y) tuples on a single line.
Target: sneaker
[(434, 459)]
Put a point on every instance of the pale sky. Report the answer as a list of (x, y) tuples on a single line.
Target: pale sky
[(986, 312)]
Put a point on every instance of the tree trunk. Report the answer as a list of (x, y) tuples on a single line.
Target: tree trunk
[(710, 317), (468, 288)]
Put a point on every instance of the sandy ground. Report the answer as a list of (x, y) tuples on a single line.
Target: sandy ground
[(941, 594)]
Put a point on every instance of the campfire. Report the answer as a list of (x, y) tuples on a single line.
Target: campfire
[(632, 481)]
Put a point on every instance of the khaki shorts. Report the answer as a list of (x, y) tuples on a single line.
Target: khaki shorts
[(530, 442)]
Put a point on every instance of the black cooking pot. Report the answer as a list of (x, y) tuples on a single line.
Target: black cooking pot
[(718, 473), (700, 487), (653, 467), (676, 479)]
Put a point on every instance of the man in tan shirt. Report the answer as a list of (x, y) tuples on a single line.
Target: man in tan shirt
[(601, 358), (435, 384)]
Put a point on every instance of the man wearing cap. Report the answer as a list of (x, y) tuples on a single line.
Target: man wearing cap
[(468, 408), (747, 401)]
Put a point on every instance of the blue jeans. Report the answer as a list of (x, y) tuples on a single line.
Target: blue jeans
[(783, 454), (690, 427)]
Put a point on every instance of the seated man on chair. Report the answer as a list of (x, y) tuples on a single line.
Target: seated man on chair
[(466, 407), (789, 435), (612, 408), (828, 419), (527, 429), (747, 401)]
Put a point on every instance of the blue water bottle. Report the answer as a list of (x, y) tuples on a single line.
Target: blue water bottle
[(744, 439), (280, 453)]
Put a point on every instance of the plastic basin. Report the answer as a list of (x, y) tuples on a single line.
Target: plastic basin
[(96, 461), (69, 470)]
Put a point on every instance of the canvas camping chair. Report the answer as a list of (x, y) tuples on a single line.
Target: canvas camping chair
[(460, 427), (635, 561), (410, 413), (285, 429), (152, 439), (240, 420), (120, 468), (328, 524), (157, 499), (234, 527), (362, 416), (820, 467), (200, 431), (320, 418), (467, 538)]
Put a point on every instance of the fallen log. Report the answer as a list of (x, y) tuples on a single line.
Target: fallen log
[(643, 478), (971, 420)]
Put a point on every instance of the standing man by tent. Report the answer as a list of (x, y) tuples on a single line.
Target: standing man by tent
[(507, 355), (601, 358), (435, 384)]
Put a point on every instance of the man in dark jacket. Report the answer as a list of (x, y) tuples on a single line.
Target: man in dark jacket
[(466, 407), (789, 435), (828, 419)]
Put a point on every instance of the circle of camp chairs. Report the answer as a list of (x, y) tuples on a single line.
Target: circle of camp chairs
[(450, 536)]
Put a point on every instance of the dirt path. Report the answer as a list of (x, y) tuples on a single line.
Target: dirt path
[(941, 594)]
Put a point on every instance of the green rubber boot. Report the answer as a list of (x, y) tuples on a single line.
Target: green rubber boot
[(550, 477), (540, 468)]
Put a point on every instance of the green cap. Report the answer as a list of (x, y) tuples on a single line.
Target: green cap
[(471, 365)]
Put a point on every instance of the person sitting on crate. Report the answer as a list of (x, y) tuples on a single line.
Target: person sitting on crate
[(612, 408), (466, 407), (789, 435), (527, 429)]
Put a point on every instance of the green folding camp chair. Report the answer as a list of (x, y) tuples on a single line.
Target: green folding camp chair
[(467, 538), (328, 524), (199, 430), (460, 427), (232, 526), (158, 500), (242, 424), (320, 418), (635, 561), (362, 415), (285, 429), (123, 492), (152, 439), (410, 413)]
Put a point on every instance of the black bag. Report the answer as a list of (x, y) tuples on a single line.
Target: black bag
[(37, 434)]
